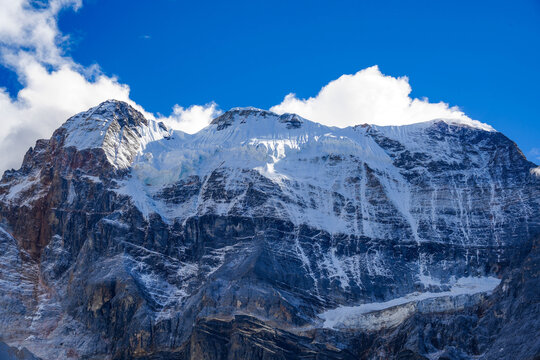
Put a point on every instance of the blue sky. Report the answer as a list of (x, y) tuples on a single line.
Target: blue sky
[(482, 56)]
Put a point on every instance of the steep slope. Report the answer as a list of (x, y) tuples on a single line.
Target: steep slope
[(504, 325), (124, 238)]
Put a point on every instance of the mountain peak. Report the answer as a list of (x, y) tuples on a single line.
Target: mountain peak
[(98, 119), (242, 115), (114, 126)]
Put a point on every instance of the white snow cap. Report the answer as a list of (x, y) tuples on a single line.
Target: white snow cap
[(116, 127)]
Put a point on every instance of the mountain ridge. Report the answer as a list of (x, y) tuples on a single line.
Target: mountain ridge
[(271, 217)]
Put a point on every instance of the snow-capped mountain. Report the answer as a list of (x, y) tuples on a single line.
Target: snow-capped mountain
[(266, 236)]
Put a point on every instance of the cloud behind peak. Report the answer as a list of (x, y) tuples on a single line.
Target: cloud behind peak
[(369, 97)]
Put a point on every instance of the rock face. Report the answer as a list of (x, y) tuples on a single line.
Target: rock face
[(10, 353), (122, 239)]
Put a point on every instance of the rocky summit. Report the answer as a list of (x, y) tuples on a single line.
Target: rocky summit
[(267, 236)]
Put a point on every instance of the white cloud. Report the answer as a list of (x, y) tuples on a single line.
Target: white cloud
[(54, 87), (369, 97), (193, 118), (32, 28), (46, 101)]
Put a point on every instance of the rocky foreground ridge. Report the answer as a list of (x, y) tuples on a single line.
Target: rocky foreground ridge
[(268, 236)]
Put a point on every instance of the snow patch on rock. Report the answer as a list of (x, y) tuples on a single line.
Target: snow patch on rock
[(353, 316)]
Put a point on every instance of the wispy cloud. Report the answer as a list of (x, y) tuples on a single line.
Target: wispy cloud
[(534, 155)]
